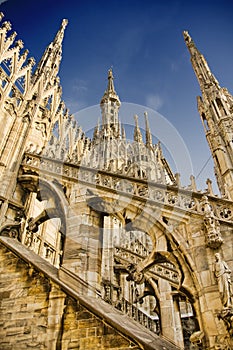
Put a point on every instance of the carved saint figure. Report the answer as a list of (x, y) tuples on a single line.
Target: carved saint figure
[(212, 226), (222, 274)]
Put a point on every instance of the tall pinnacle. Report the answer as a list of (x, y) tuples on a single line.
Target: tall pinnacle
[(137, 131), (215, 108), (203, 73), (148, 132), (50, 61)]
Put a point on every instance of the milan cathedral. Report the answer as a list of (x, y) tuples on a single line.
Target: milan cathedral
[(101, 247)]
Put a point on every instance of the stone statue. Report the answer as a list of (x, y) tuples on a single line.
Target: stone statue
[(222, 274), (212, 225)]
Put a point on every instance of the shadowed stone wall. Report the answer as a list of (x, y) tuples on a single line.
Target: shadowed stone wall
[(35, 313)]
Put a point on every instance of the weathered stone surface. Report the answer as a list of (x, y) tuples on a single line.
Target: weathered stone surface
[(101, 246), (51, 313)]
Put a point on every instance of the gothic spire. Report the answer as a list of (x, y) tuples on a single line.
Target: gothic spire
[(137, 131), (204, 75), (215, 108), (148, 132), (110, 93), (50, 62), (110, 104)]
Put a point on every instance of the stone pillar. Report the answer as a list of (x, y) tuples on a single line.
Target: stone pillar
[(111, 232), (83, 243), (169, 308), (55, 313), (170, 316)]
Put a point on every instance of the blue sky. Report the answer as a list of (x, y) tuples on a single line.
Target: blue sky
[(143, 42)]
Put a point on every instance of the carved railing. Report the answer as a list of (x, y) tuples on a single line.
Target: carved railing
[(164, 196), (34, 242), (138, 315), (131, 309), (131, 241)]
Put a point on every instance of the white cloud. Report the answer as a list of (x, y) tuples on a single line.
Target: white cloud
[(79, 85), (2, 1), (154, 101), (75, 105)]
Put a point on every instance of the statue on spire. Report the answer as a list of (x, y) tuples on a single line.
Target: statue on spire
[(110, 80)]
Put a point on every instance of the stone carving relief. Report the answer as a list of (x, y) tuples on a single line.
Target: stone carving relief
[(196, 340), (222, 343), (13, 227), (227, 316)]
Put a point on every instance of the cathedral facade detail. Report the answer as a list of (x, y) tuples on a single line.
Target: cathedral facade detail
[(108, 249)]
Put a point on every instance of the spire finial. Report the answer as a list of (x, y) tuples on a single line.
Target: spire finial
[(64, 22), (187, 37), (110, 74)]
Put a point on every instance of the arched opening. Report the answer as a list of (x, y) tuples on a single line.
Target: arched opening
[(205, 122), (140, 291), (48, 239), (45, 228), (220, 107)]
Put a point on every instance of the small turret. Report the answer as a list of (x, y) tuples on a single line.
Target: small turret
[(148, 132), (110, 104), (137, 131)]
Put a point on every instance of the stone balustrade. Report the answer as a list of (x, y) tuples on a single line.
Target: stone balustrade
[(169, 196), (138, 315)]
